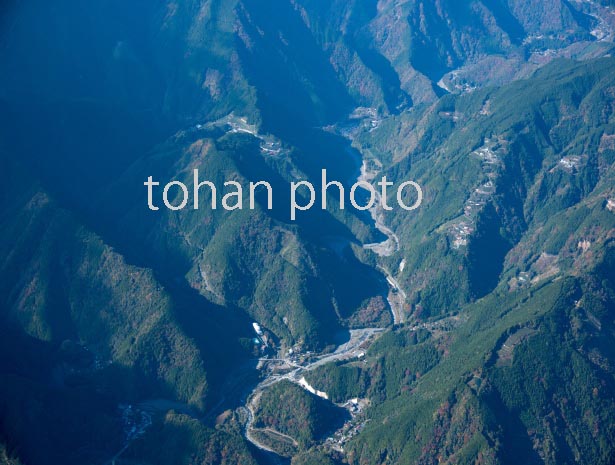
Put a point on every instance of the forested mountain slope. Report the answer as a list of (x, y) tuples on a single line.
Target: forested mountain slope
[(525, 369), (128, 334)]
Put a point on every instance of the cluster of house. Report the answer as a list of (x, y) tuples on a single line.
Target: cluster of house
[(463, 229), (570, 163), (350, 429)]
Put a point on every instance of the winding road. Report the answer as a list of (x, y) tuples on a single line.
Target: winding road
[(349, 350), (346, 351)]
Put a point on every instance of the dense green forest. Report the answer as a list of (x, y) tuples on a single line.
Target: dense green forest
[(476, 329)]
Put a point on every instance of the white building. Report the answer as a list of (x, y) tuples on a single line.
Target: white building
[(257, 329)]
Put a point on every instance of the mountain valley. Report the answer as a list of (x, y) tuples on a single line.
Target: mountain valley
[(477, 328)]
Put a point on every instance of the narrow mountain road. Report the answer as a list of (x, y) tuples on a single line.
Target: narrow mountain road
[(347, 351), (396, 298)]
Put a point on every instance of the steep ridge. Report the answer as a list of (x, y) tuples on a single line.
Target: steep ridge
[(81, 327), (496, 179), (518, 217), (268, 256), (457, 389)]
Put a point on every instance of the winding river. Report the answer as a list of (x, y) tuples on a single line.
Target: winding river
[(347, 351)]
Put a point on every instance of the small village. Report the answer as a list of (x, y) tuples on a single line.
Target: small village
[(490, 156), (351, 428)]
